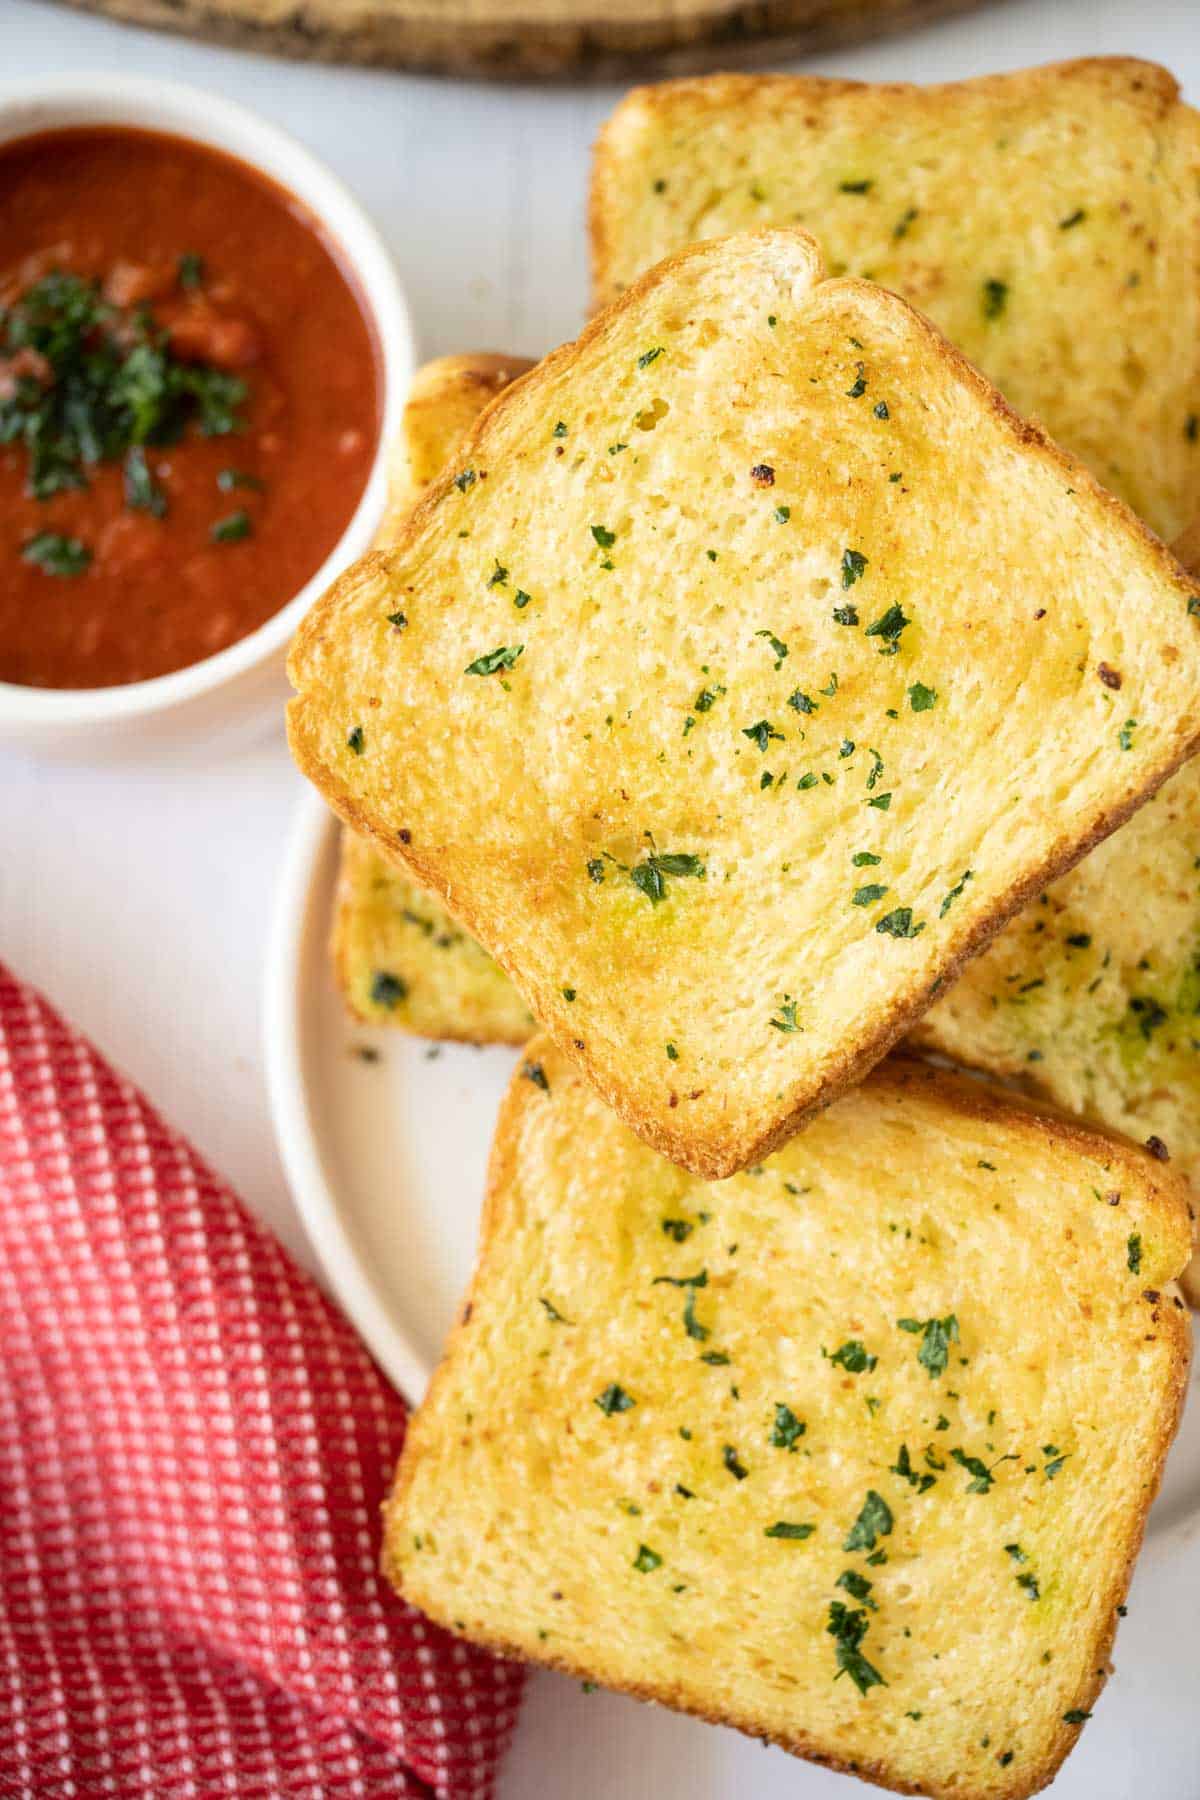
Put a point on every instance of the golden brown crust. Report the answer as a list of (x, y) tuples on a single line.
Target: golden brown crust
[(725, 93), (970, 1099), (741, 1146)]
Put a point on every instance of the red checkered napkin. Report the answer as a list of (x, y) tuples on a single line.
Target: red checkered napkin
[(193, 1449)]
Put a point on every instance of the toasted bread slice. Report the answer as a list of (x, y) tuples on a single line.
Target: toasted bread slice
[(853, 1451), (735, 728), (1048, 222), (399, 958)]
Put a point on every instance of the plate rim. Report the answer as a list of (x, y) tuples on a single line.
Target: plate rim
[(311, 829)]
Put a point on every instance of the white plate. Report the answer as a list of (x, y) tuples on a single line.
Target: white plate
[(386, 1157)]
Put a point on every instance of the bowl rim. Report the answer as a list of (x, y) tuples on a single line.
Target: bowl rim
[(181, 109)]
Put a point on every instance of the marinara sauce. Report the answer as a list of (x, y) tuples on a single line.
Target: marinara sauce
[(189, 404)]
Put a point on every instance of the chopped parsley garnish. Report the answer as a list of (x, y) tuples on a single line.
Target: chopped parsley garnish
[(387, 989), (1075, 218), (466, 478), (356, 739), (552, 1312), (995, 298), (955, 892), (1029, 1582), (498, 576), (672, 1053), (848, 1626), (706, 698), (802, 702), (873, 1522), (761, 734), (807, 781), (679, 1229), (595, 868), (533, 1071), (866, 896), (1076, 1716), (521, 599), (232, 529), (782, 1528), (921, 698), (787, 1429), (142, 492), (1125, 735), (854, 564), (845, 615), (649, 356), (1133, 1252), (865, 859), (982, 1478), (647, 875), (56, 554), (502, 658), (1016, 1552), (691, 1324), (190, 269), (614, 1399), (860, 383), (111, 382), (782, 514), (854, 1357), (899, 922), (855, 187), (786, 1020), (903, 1467), (777, 644), (846, 748), (560, 430), (604, 537), (733, 1463), (881, 802), (646, 1560), (1055, 1458), (936, 1335), (858, 1586), (889, 626)]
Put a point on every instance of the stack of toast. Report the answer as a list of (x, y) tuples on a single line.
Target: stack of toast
[(744, 693)]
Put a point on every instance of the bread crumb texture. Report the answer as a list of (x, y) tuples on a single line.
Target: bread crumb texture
[(757, 666), (852, 1451), (1048, 221)]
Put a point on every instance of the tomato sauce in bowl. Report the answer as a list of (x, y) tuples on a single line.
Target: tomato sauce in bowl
[(190, 397)]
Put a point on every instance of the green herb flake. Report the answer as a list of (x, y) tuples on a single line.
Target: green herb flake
[(1125, 735), (762, 734), (778, 646), (787, 1429), (533, 1071), (647, 1560), (955, 893), (229, 479), (858, 1586), (783, 1528), (848, 1626), (899, 922), (855, 187), (995, 298), (466, 478), (498, 576), (881, 802), (873, 1522), (982, 1479), (356, 739), (614, 1399), (648, 875), (678, 1229), (142, 492), (502, 658), (860, 383), (854, 1357), (605, 538), (521, 599), (1076, 1716), (936, 1336), (232, 529), (1072, 219), (782, 514), (1133, 1252), (560, 430), (921, 698), (733, 1463), (866, 896), (189, 270), (649, 356), (1028, 1582), (387, 989), (854, 565), (889, 626), (785, 1019), (552, 1312), (846, 615), (56, 554)]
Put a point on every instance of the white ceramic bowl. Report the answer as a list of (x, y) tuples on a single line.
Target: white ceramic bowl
[(233, 690)]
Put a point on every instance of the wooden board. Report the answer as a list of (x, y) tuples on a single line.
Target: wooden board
[(512, 39)]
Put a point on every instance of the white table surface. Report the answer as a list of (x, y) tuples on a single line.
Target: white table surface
[(137, 894)]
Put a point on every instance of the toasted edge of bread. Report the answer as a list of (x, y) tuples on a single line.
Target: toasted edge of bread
[(1039, 1124), (723, 1155)]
